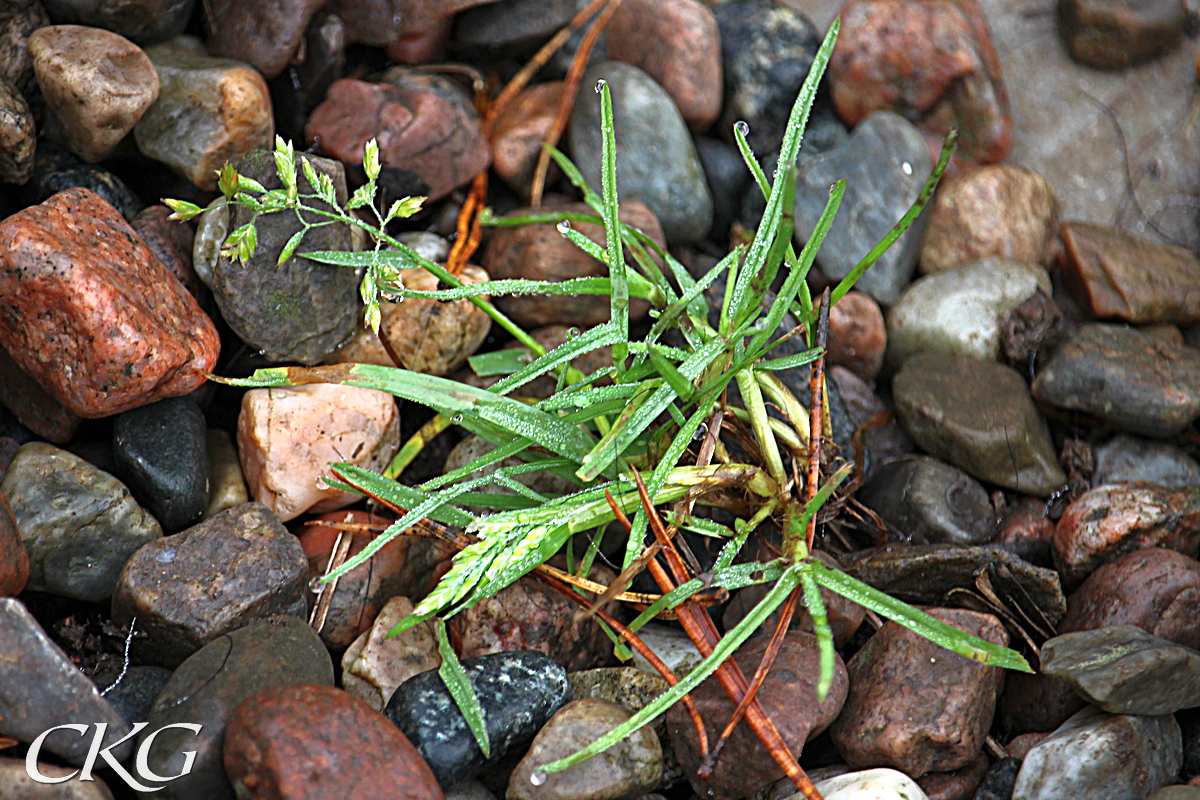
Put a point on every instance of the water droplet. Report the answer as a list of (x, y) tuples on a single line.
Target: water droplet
[(457, 419), (654, 312), (600, 84), (701, 432), (742, 127), (537, 778), (906, 168), (564, 226), (315, 585)]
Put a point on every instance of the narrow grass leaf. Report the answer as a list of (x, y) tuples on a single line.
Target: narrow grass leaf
[(619, 306), (816, 609), (459, 685)]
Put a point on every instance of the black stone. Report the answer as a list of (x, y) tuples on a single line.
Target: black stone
[(930, 501), (54, 169), (134, 694), (519, 691), (144, 21), (509, 28), (727, 177), (161, 450), (1000, 780)]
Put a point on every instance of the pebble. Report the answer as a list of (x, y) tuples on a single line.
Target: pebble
[(671, 645), (930, 502), (55, 170), (298, 310), (657, 163), (53, 691), (267, 37), (1110, 521), (143, 21), (33, 406), (1177, 793), (301, 87), (430, 336), (885, 163), (518, 691), (630, 768), (14, 560), (79, 524), (288, 437), (766, 52), (382, 24), (374, 665), (999, 781), (959, 784), (17, 21), (207, 688), (915, 706), (541, 252), (961, 311), (1116, 275), (994, 210), (883, 443), (1125, 377), (978, 416), (171, 241), (1108, 35), (519, 130), (227, 487), (209, 111), (18, 135), (727, 178), (181, 604), (633, 690), (427, 129), (162, 450), (17, 784), (276, 738), (513, 28), (871, 784), (1127, 458), (678, 44), (745, 765), (1124, 670), (97, 84), (134, 694), (1103, 757), (929, 61), (73, 264), (857, 335)]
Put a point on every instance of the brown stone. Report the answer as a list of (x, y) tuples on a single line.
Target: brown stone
[(36, 408), (429, 336), (17, 21), (18, 135), (382, 22), (17, 784), (423, 123), (994, 210), (857, 335), (96, 83), (376, 663), (1116, 275), (1020, 746), (421, 47), (1025, 520), (788, 696), (675, 42), (14, 560), (91, 314), (957, 785), (170, 240), (304, 742), (1115, 34), (519, 131), (1110, 521), (264, 35), (541, 252), (932, 60), (915, 706)]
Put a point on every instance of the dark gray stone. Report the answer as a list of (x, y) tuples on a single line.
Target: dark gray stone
[(1125, 377), (656, 160), (509, 27), (80, 525), (301, 87), (143, 21), (40, 688), (134, 694), (728, 178), (206, 688), (162, 450), (299, 310), (518, 690), (188, 589), (930, 502), (54, 169), (885, 163), (999, 781), (1128, 458)]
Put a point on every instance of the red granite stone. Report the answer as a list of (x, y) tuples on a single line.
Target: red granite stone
[(91, 314)]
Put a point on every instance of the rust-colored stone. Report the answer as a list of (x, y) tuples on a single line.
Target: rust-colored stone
[(857, 335), (264, 35), (277, 739), (915, 706), (91, 314), (1115, 35), (14, 560), (957, 785), (519, 132), (1116, 275), (1026, 520)]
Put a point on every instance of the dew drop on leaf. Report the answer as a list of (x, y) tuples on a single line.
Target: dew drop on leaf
[(537, 778), (457, 419), (564, 226), (743, 127), (701, 432), (572, 333), (599, 85)]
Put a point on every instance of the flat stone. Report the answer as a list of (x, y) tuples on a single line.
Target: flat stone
[(1127, 458), (1102, 756), (630, 767), (1117, 35), (97, 84), (55, 170), (520, 129), (14, 560), (885, 163), (33, 406), (162, 449), (52, 691), (871, 784), (930, 502), (143, 21), (207, 688), (182, 604), (80, 525), (994, 210), (17, 784), (209, 111), (227, 487), (134, 694), (288, 437), (1110, 521), (18, 135), (633, 690), (1124, 670), (298, 310), (72, 264), (375, 664), (656, 160), (277, 737), (264, 36), (518, 691), (978, 416), (916, 706)]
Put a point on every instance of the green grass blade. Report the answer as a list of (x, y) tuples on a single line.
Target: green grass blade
[(612, 231), (816, 609), (365, 481), (592, 339), (456, 680)]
